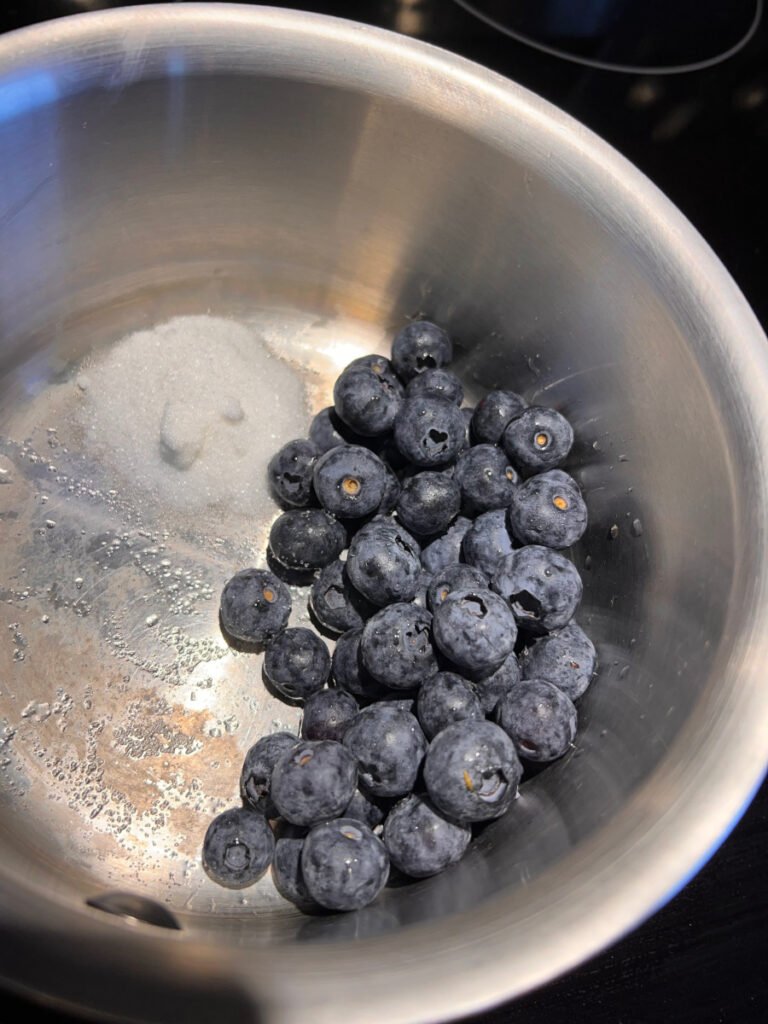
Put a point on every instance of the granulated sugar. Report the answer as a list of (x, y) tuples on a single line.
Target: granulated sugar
[(192, 410)]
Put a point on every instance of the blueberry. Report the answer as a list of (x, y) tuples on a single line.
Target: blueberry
[(336, 604), (539, 718), (389, 747), (538, 439), (567, 659), (383, 563), (364, 808), (444, 699), (446, 550), (312, 781), (348, 671), (327, 431), (475, 629), (428, 503), (290, 472), (396, 647), (391, 493), (485, 478), (259, 763), (306, 539), (548, 509), (429, 431), (439, 383), (492, 413), (542, 586), (350, 481), (420, 346), (487, 541), (367, 396), (287, 873), (420, 840), (297, 663), (420, 597), (255, 606), (327, 715), (471, 771), (490, 689), (345, 866), (238, 848), (453, 577)]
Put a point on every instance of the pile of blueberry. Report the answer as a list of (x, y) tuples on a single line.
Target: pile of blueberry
[(456, 651)]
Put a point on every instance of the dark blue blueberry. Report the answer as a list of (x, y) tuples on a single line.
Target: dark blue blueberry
[(297, 663), (492, 413), (363, 807), (350, 481), (327, 431), (445, 550), (485, 478), (345, 866), (306, 539), (255, 606), (367, 396), (539, 718), (348, 671), (567, 659), (312, 781), (538, 439), (389, 747), (383, 563), (420, 597), (490, 689), (238, 848), (471, 771), (327, 715), (290, 472), (475, 629), (429, 431), (487, 541), (444, 699), (420, 840), (287, 873), (391, 493), (420, 346), (396, 647), (453, 577), (542, 586), (428, 503), (548, 509), (336, 604), (440, 383), (259, 763)]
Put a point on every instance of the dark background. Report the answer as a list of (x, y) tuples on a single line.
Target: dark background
[(702, 136)]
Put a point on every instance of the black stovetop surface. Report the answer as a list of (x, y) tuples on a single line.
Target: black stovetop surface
[(702, 137)]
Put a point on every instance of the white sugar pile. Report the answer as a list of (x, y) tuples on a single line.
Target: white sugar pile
[(192, 411)]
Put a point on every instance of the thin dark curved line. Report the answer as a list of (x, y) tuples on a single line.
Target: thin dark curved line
[(628, 69)]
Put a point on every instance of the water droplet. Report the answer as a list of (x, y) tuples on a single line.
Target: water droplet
[(613, 533), (624, 672), (588, 562), (151, 620), (50, 523), (79, 582), (637, 528), (45, 618), (596, 446), (623, 458)]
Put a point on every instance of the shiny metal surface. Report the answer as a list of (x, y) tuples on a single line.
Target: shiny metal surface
[(322, 181)]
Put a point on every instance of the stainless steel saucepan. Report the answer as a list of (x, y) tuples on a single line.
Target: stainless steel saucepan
[(318, 182)]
